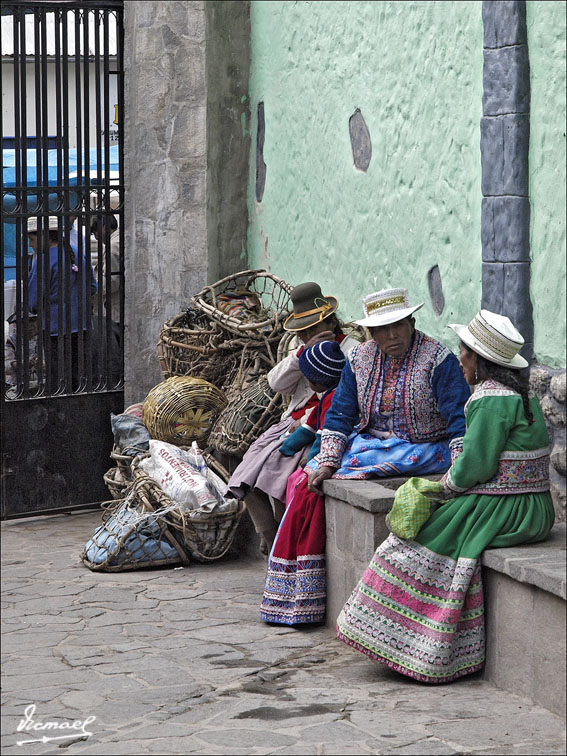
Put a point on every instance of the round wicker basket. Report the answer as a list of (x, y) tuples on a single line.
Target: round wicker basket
[(264, 320), (182, 409)]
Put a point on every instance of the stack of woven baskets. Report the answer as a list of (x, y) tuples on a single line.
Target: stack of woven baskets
[(214, 357), (232, 335)]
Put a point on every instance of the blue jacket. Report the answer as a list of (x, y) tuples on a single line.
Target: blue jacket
[(56, 278), (430, 396)]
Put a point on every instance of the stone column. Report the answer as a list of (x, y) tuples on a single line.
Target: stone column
[(186, 151), (166, 255), (505, 130)]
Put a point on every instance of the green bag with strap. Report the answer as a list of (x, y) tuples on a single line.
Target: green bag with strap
[(414, 503)]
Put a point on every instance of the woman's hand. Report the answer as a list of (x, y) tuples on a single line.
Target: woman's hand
[(321, 336), (315, 478)]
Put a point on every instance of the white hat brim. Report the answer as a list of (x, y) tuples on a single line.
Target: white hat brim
[(467, 338), (388, 317)]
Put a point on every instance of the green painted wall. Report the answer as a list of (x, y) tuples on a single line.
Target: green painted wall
[(415, 71), (546, 42)]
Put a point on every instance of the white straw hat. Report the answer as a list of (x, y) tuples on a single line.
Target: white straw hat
[(385, 307), (494, 337), (52, 224)]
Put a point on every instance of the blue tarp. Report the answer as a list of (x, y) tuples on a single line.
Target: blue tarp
[(9, 179)]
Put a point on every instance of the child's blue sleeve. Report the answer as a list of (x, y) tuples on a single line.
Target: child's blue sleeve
[(315, 449), (298, 439)]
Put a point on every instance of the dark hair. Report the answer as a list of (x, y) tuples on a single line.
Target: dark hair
[(334, 324), (106, 220), (54, 237), (512, 379)]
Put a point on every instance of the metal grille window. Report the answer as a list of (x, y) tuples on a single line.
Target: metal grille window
[(62, 197)]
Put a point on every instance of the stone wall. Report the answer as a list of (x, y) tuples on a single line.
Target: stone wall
[(186, 159), (549, 384), (166, 254)]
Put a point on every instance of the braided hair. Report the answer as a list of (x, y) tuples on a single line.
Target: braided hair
[(512, 379)]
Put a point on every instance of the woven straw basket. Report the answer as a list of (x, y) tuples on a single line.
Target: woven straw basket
[(245, 418), (265, 321), (182, 409), (123, 535), (206, 536), (218, 339), (190, 344)]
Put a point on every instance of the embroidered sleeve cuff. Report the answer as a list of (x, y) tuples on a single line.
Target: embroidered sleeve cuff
[(447, 482), (456, 448), (332, 447)]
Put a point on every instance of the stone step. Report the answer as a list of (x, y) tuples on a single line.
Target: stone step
[(524, 590)]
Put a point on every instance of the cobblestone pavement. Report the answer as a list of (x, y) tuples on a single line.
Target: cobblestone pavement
[(176, 661)]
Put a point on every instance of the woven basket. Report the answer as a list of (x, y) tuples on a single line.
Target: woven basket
[(245, 418), (190, 344), (123, 539), (116, 483), (272, 296), (207, 536), (182, 409)]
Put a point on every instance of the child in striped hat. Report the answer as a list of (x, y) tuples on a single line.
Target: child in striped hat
[(294, 592), (322, 365)]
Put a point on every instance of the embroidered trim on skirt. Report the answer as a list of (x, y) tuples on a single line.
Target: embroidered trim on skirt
[(417, 612), (295, 591)]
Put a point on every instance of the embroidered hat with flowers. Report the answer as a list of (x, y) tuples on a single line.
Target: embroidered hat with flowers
[(386, 306)]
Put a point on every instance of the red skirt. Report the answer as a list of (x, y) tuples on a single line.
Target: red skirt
[(295, 591)]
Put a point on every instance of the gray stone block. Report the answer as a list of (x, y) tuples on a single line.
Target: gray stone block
[(557, 386), (364, 494), (540, 378), (504, 145), (506, 81), (505, 229), (504, 22), (517, 303), (492, 286), (538, 564), (525, 640), (506, 290)]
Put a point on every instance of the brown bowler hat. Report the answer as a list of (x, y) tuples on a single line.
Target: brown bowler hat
[(309, 307)]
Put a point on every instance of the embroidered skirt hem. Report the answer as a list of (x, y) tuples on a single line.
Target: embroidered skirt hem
[(468, 670)]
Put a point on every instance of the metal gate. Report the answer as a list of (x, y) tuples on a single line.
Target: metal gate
[(62, 251)]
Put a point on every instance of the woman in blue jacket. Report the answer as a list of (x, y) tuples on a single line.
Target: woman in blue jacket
[(69, 318)]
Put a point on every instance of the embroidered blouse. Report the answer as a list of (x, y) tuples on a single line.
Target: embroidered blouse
[(502, 452), (427, 402)]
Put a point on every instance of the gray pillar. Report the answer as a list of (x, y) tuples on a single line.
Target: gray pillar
[(186, 149), (504, 143), (166, 256)]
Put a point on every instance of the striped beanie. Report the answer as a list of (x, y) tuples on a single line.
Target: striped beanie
[(322, 363)]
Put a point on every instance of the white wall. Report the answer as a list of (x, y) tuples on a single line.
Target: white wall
[(108, 114)]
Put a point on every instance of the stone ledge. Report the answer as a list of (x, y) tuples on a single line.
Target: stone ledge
[(539, 564), (362, 494), (376, 495)]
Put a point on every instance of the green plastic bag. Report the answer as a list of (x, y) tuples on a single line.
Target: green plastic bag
[(414, 503)]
